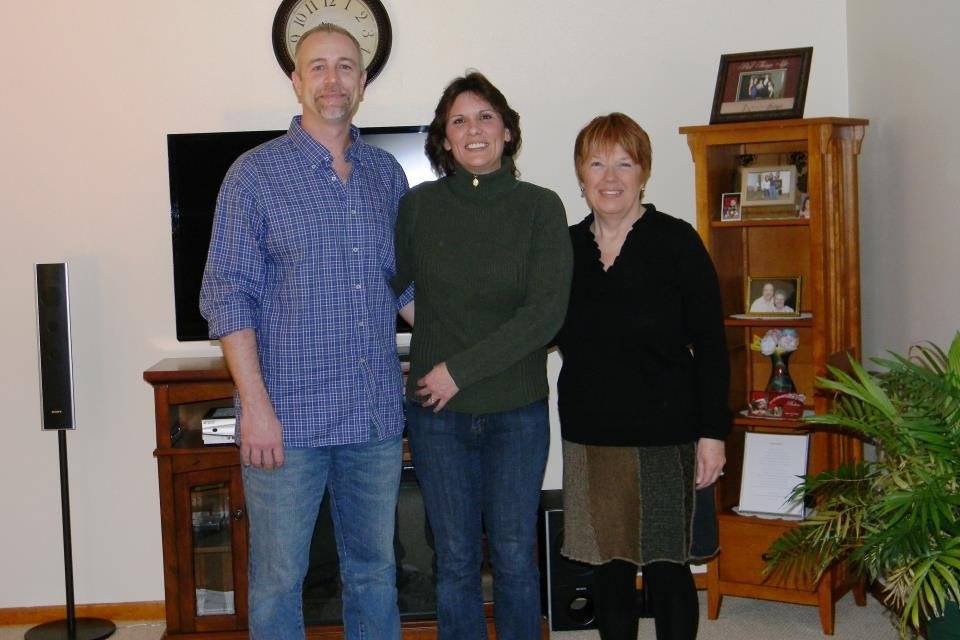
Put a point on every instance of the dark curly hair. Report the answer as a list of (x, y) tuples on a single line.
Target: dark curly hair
[(473, 82)]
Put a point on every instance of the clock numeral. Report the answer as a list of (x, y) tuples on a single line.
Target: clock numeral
[(294, 38), (347, 6), (363, 15), (329, 3), (300, 19), (311, 6), (367, 33), (364, 50)]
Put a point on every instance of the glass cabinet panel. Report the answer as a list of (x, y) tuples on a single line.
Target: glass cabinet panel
[(212, 548)]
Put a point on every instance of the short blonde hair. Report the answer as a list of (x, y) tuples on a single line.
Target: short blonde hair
[(328, 28), (604, 132)]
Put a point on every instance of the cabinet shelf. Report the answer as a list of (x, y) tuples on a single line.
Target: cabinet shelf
[(761, 222), (730, 514), (823, 251), (771, 423), (771, 323)]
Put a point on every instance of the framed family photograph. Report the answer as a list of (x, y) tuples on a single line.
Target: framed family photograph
[(773, 296), (761, 85), (768, 186), (729, 207)]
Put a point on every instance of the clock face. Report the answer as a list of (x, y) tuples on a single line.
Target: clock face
[(366, 19)]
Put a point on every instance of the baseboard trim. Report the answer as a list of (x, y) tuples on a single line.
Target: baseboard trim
[(111, 611)]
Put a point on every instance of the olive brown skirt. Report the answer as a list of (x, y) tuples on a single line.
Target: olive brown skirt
[(637, 504)]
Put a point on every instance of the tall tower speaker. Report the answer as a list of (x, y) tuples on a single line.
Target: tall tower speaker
[(53, 335), (56, 391), (567, 589)]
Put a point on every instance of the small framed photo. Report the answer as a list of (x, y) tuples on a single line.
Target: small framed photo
[(777, 296), (768, 186), (761, 85), (730, 207)]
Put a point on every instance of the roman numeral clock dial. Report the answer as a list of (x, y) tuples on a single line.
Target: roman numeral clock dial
[(367, 20)]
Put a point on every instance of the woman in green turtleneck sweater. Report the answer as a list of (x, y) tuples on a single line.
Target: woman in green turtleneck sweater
[(490, 259)]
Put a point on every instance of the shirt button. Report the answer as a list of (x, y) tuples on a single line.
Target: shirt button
[(357, 287), (313, 166), (333, 178), (353, 211), (356, 249)]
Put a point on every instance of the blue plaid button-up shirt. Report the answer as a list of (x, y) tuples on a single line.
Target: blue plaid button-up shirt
[(305, 260)]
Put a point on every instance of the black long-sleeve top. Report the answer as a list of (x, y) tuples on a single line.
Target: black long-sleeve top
[(643, 344)]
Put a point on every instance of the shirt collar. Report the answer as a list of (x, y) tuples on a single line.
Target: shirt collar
[(316, 152), (488, 185), (650, 211)]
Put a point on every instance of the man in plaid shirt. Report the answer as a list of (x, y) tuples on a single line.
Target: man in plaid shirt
[(297, 289)]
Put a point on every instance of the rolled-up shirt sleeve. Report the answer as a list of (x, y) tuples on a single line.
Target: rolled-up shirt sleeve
[(233, 280)]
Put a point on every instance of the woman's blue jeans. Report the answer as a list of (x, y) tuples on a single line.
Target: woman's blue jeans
[(476, 472), (282, 505)]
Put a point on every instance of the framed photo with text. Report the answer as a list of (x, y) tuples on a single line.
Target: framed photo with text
[(761, 85)]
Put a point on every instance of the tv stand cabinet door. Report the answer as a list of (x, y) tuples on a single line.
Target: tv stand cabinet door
[(211, 531)]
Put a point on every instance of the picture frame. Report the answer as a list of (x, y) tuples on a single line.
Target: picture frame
[(761, 85), (768, 186), (730, 207), (773, 296)]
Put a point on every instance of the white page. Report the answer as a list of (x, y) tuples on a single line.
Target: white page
[(772, 466)]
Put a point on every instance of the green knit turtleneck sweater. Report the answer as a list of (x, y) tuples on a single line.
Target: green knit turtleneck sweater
[(491, 263)]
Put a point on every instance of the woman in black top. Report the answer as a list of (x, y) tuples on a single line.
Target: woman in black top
[(642, 392)]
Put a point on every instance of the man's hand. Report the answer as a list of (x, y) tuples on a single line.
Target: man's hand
[(261, 435), (437, 387), (710, 461)]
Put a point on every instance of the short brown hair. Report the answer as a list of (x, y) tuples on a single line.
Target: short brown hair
[(328, 28), (473, 82), (604, 132)]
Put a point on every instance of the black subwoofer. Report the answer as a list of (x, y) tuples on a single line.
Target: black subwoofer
[(567, 586)]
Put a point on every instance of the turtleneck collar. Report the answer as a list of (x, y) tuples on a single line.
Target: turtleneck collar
[(488, 185)]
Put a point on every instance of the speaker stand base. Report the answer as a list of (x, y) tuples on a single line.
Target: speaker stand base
[(85, 629)]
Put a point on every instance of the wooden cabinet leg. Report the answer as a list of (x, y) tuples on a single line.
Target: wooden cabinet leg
[(825, 605), (860, 592), (714, 597)]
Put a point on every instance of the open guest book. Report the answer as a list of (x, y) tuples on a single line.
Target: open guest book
[(773, 464)]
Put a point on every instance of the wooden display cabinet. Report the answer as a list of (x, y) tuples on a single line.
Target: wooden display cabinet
[(202, 513), (824, 250)]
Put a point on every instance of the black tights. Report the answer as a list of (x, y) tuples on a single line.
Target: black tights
[(669, 593)]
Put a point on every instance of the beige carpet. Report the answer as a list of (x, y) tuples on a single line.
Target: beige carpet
[(746, 619), (740, 619)]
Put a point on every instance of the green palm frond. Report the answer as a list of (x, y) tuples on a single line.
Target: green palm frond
[(898, 517)]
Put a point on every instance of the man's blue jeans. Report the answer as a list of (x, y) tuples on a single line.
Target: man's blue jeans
[(282, 505), (483, 468)]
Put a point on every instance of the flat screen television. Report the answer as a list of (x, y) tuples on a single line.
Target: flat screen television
[(199, 161)]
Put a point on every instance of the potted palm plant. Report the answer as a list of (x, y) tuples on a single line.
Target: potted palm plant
[(895, 518)]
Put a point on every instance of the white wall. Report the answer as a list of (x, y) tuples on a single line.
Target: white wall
[(901, 58), (90, 90)]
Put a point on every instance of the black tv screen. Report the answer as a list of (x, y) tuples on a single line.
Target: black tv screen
[(199, 161)]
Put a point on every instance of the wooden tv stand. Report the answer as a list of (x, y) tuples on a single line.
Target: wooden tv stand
[(202, 513)]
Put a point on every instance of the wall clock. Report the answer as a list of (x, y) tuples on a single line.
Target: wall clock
[(367, 20)]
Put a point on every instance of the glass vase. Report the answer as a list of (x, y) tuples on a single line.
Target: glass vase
[(780, 380)]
